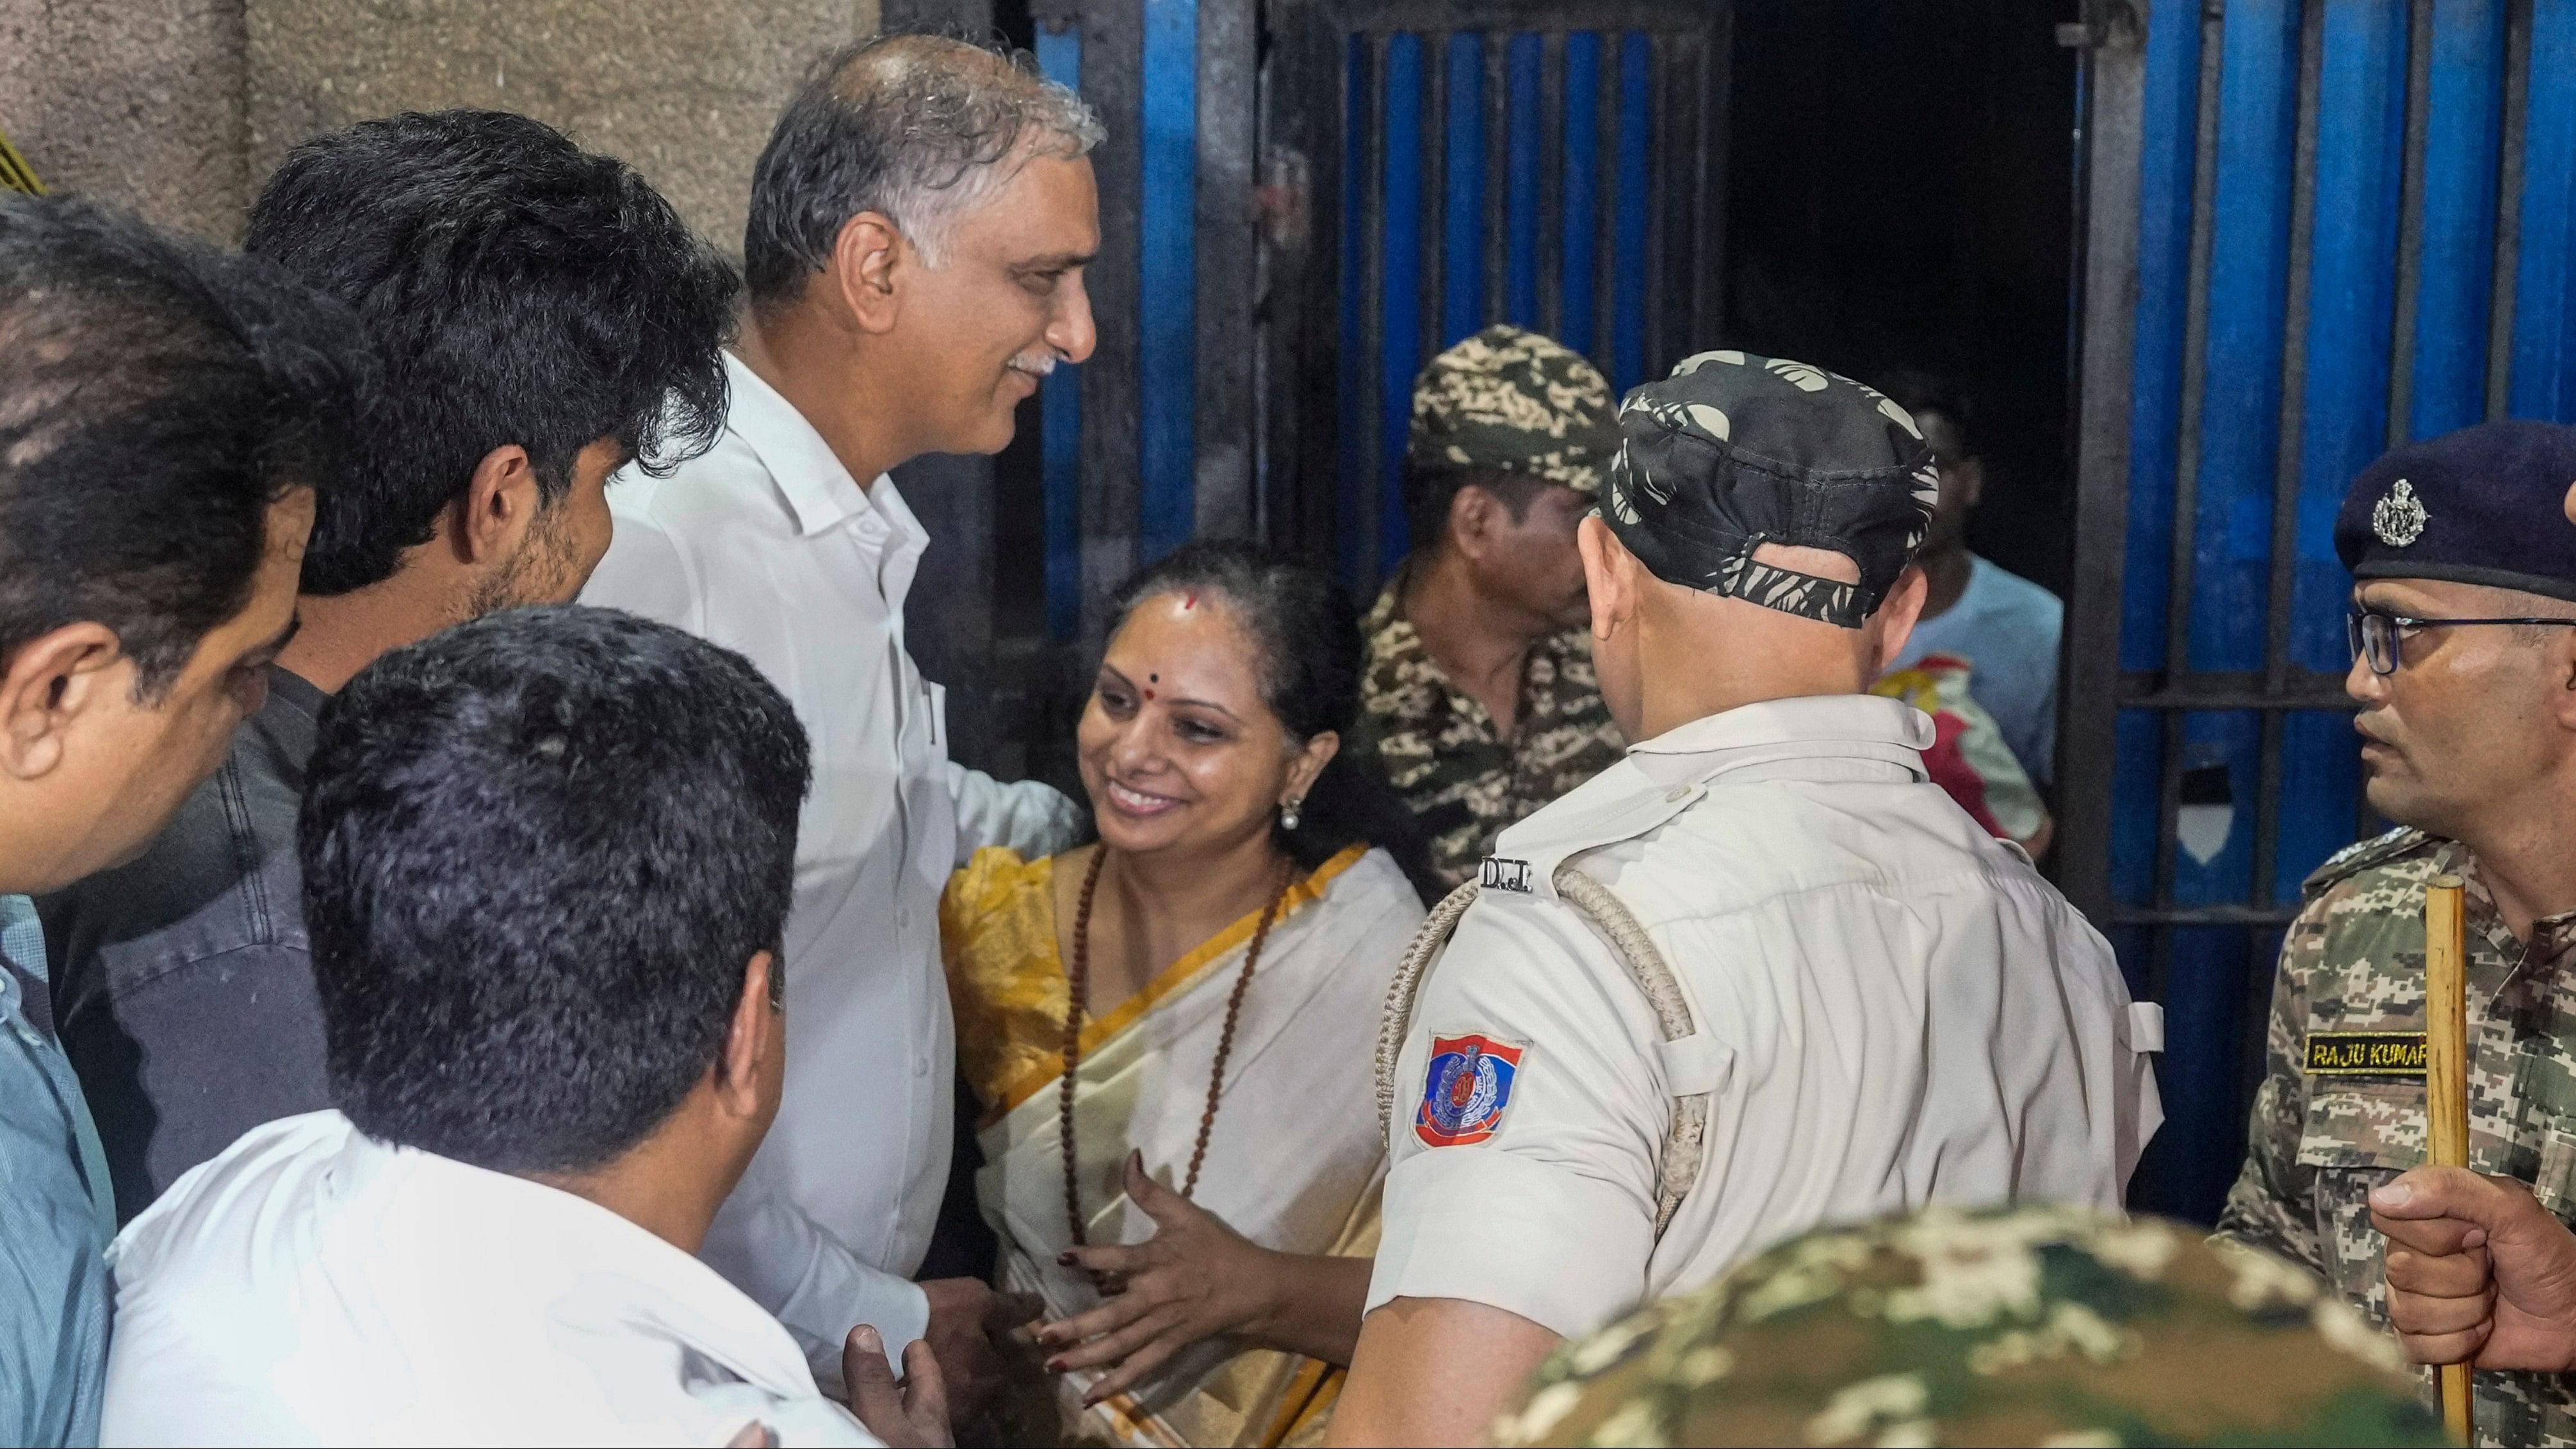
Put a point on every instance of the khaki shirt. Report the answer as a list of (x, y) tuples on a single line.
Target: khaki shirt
[(2353, 962), (1440, 748), (1892, 1009)]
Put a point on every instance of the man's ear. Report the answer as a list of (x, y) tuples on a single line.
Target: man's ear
[(1609, 577), (50, 681), (757, 1032), (868, 258), (1897, 614), (1471, 518), (499, 506), (1971, 473)]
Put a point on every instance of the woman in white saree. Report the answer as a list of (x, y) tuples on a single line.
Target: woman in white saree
[(1203, 1249)]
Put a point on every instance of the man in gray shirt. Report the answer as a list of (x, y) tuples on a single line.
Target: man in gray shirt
[(543, 318)]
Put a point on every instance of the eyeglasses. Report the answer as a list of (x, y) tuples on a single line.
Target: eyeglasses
[(2375, 634)]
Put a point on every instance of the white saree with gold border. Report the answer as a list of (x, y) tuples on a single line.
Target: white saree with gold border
[(1295, 1159)]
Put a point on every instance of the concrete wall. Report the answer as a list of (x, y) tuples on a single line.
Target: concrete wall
[(181, 107), (140, 101)]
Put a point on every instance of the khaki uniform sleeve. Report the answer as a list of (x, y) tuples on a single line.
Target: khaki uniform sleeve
[(2272, 1204)]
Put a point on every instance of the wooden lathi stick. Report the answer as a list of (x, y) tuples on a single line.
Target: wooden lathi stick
[(2446, 1081)]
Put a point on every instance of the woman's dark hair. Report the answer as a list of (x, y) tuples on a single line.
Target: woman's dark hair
[(1311, 661)]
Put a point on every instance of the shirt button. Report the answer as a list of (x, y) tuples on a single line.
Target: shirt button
[(921, 1066), (903, 918), (1676, 794)]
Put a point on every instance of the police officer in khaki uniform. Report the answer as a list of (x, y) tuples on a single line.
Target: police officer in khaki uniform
[(1480, 700), (1760, 974), (2463, 624)]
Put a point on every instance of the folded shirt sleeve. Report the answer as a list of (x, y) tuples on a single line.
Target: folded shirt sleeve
[(806, 1277), (1541, 1203)]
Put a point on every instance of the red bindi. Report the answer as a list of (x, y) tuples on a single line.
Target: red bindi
[(1189, 601)]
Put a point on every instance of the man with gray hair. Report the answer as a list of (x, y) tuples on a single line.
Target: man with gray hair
[(920, 221)]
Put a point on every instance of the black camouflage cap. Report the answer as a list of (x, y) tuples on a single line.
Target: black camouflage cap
[(1734, 451), (2493, 504), (1510, 401)]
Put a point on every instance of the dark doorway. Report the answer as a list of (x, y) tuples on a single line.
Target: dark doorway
[(1901, 196)]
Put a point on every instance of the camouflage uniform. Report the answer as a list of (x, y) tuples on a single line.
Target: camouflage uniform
[(2338, 1115), (1439, 746), (2035, 1326), (1503, 401)]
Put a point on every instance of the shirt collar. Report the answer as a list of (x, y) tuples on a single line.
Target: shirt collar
[(636, 1277), (808, 473), (1827, 726)]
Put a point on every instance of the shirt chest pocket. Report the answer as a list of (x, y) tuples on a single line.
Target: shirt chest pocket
[(2357, 1135), (2363, 1125)]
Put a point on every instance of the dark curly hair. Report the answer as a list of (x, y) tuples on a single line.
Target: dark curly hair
[(1310, 669), (539, 849), (520, 289)]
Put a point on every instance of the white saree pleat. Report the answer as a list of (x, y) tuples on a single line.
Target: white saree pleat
[(1293, 1158)]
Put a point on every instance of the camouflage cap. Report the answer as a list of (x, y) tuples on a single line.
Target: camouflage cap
[(1510, 401), (2046, 1325), (1734, 451)]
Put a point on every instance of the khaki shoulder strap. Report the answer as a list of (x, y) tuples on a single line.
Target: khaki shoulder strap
[(1677, 1166)]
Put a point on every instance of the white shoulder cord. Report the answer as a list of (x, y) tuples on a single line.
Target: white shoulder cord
[(1678, 1167)]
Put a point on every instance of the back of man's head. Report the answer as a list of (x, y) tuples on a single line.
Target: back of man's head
[(539, 850), (521, 290), (916, 128), (156, 396)]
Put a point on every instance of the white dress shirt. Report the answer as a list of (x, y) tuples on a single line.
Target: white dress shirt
[(766, 545), (1892, 1008), (313, 1286)]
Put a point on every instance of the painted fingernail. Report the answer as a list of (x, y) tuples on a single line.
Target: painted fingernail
[(1066, 1259), (1055, 1365)]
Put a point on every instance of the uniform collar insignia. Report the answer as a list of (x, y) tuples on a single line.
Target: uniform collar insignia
[(2399, 518)]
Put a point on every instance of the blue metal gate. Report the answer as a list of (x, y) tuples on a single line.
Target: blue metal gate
[(1559, 167), (2314, 230)]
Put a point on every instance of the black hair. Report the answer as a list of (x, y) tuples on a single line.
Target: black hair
[(1310, 669), (1920, 392), (904, 125), (520, 289), (1431, 488), (156, 397), (538, 850)]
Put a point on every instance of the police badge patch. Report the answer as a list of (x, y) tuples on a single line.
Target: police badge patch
[(1466, 1089), (2399, 518)]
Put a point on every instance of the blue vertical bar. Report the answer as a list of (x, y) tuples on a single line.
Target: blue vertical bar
[(1353, 375), (1581, 198), (1462, 230), (2166, 161), (2544, 297), (2352, 298), (1522, 144), (2231, 547), (1060, 413), (1167, 330), (1400, 293), (2165, 166), (1628, 220), (2458, 254)]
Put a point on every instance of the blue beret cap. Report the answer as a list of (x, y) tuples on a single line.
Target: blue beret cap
[(2484, 505)]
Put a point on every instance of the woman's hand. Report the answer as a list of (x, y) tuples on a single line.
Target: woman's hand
[(1193, 1280)]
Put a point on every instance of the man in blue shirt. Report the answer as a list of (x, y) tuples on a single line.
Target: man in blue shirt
[(165, 414), (2005, 627)]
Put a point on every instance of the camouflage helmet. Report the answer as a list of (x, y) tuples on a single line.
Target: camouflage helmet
[(1510, 401), (2014, 1326)]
